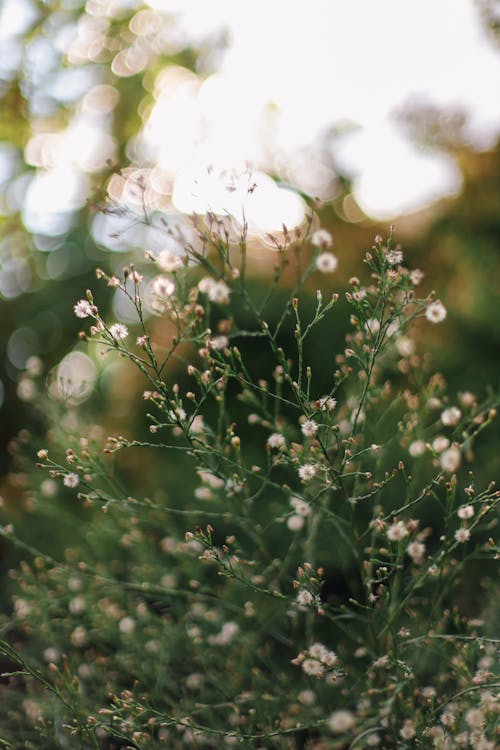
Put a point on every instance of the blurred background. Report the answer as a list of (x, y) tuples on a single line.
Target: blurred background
[(381, 113)]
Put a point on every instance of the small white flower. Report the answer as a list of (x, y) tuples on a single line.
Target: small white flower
[(327, 403), (295, 523), (163, 287), (451, 417), (83, 309), (322, 238), (416, 551), (440, 443), (416, 276), (326, 262), (307, 471), (71, 480), (450, 459), (276, 441), (301, 507), (118, 331), (435, 312), (217, 291), (405, 346), (394, 257), (169, 261), (341, 721), (397, 531), (218, 343), (465, 512), (313, 667), (309, 428), (417, 448), (304, 598), (462, 535)]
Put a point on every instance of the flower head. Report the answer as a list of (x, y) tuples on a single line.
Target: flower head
[(322, 238), (307, 471), (71, 480), (83, 309), (326, 262), (435, 312), (118, 331)]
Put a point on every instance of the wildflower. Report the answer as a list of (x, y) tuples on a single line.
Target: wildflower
[(450, 460), (341, 721), (276, 441), (397, 531), (416, 550), (219, 342), (142, 341), (405, 346), (127, 625), (307, 697), (466, 511), (322, 238), (440, 443), (42, 454), (467, 398), (163, 287), (83, 309), (451, 417), (417, 448), (304, 598), (169, 261), (462, 535), (435, 312), (309, 428), (118, 331), (394, 257), (474, 718), (416, 276), (301, 507), (226, 635), (327, 403), (407, 731), (71, 480), (295, 523), (217, 291), (307, 471), (326, 262), (313, 667)]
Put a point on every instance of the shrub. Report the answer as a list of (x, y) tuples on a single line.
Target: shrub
[(304, 573)]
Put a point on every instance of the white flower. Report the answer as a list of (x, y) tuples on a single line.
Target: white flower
[(217, 291), (218, 343), (466, 511), (326, 262), (397, 531), (416, 550), (295, 523), (341, 721), (275, 440), (440, 443), (322, 238), (313, 667), (118, 331), (301, 507), (450, 460), (307, 471), (416, 276), (309, 428), (474, 718), (405, 346), (304, 598), (394, 257), (169, 261), (83, 309), (327, 403), (417, 448), (435, 312), (71, 480), (462, 535), (163, 287), (451, 417)]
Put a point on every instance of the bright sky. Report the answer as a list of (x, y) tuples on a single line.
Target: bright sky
[(292, 75)]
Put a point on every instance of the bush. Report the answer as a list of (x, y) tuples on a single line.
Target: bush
[(309, 566)]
